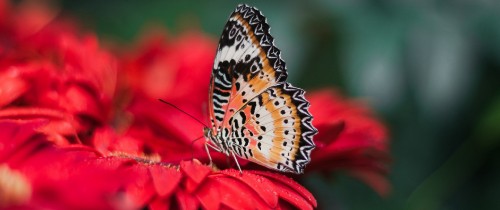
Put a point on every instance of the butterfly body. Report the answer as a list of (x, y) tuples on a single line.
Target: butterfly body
[(255, 114)]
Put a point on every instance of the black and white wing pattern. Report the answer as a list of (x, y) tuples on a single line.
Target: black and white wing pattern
[(254, 112)]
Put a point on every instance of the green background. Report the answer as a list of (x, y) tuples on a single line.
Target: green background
[(430, 69)]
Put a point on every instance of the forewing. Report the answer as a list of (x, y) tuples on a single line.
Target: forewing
[(246, 64)]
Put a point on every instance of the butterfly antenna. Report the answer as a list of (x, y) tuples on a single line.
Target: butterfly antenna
[(192, 143), (168, 103)]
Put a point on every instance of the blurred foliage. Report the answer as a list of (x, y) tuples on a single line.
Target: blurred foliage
[(430, 68)]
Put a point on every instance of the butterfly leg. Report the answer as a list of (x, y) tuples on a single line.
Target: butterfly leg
[(208, 152), (237, 164)]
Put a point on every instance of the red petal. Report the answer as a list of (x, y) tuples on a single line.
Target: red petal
[(237, 195), (262, 186), (79, 100), (186, 200), (290, 195), (31, 17), (14, 132), (18, 139), (165, 179), (195, 171), (11, 87), (209, 195), (328, 132), (103, 138), (160, 204), (70, 177), (33, 112), (362, 146), (57, 129), (290, 190), (141, 190), (108, 142), (59, 124)]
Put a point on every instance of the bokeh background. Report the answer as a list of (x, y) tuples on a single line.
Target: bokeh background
[(430, 69)]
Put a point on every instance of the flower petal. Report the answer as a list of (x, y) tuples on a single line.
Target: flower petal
[(290, 190), (18, 139), (332, 131), (185, 200), (361, 146), (141, 189), (209, 195), (159, 204), (195, 172), (238, 195), (78, 99), (11, 88), (262, 186), (165, 179)]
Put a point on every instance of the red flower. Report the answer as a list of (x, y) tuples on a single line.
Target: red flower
[(81, 128), (45, 65), (349, 138), (58, 177), (172, 69), (177, 71), (80, 177)]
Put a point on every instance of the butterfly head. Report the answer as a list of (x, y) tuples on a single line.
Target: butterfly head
[(207, 132)]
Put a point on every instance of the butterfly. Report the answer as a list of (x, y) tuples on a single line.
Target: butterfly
[(254, 113)]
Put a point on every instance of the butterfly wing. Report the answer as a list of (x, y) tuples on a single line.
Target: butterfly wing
[(274, 129), (246, 64), (248, 69)]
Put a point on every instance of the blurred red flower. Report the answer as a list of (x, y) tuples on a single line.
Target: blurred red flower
[(81, 127), (47, 71), (176, 71), (349, 138)]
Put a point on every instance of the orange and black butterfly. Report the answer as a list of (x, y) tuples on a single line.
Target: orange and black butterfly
[(255, 114)]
